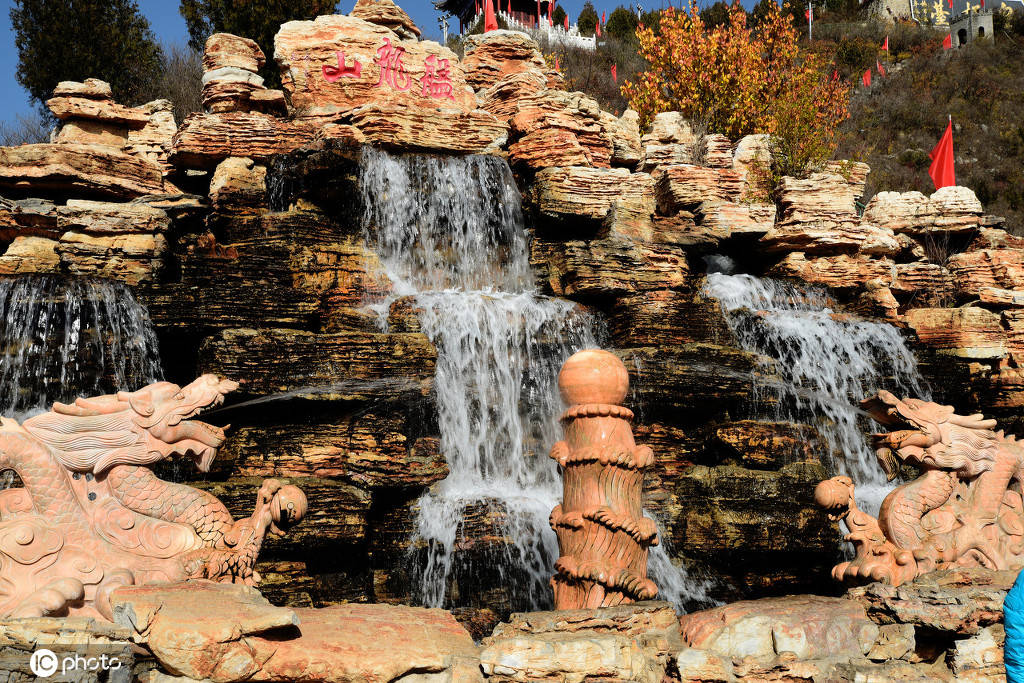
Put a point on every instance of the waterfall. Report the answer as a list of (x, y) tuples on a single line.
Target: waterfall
[(450, 232), (61, 338), (827, 362)]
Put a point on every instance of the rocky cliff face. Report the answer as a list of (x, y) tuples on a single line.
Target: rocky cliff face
[(242, 232)]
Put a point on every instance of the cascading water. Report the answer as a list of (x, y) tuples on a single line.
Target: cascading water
[(827, 363), (61, 338), (450, 233)]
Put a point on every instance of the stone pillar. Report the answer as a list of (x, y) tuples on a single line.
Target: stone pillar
[(603, 536)]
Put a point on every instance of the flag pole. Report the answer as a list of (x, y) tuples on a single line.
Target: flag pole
[(810, 21)]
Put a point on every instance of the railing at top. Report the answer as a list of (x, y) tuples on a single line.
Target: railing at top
[(526, 22)]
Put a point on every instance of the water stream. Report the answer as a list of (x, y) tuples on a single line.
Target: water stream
[(827, 363), (61, 338), (450, 233)]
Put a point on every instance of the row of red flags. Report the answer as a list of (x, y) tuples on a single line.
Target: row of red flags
[(941, 169)]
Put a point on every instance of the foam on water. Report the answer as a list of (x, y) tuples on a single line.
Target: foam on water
[(450, 232), (827, 363), (61, 338)]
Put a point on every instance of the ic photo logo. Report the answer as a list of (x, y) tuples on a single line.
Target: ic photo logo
[(44, 663)]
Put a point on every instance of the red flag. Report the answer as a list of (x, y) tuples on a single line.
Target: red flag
[(866, 78), (598, 29), (615, 75), (490, 21), (950, 4), (885, 45), (881, 70), (558, 66), (835, 74), (941, 169), (566, 22), (982, 4), (947, 42), (550, 23), (807, 13), (510, 7), (603, 20)]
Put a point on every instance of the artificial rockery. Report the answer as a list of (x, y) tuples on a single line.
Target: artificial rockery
[(244, 232)]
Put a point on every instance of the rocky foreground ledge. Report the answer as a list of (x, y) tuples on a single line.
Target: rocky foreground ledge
[(944, 626)]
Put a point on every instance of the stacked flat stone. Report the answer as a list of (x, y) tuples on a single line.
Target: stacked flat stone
[(231, 81)]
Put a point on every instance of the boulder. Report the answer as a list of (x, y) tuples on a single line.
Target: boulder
[(666, 317), (386, 13), (685, 187), (669, 141), (133, 258), (809, 626), (969, 332), (998, 268), (629, 643), (153, 141), (558, 128), (950, 211), (573, 193), (91, 88), (76, 170), (111, 218), (238, 184), (927, 284), (961, 602), (728, 219), (625, 131), (430, 129), (494, 56), (225, 633), (224, 50), (751, 155), (107, 111), (29, 254), (27, 217), (204, 140), (843, 272), (715, 151), (333, 65), (502, 98), (606, 268), (1001, 298)]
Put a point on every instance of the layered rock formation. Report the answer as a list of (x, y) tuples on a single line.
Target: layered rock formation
[(264, 276)]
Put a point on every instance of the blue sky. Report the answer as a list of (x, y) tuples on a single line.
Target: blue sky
[(170, 28)]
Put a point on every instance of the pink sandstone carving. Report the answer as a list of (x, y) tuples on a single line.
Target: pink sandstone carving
[(92, 516), (603, 535), (964, 510)]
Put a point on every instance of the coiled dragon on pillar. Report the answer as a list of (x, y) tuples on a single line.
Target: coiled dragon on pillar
[(93, 516), (964, 510)]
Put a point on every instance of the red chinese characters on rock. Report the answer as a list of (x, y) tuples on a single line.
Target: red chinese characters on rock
[(437, 81), (392, 70), (333, 73)]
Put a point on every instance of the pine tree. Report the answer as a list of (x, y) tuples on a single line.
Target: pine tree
[(622, 25), (558, 16), (71, 40), (258, 20), (587, 21)]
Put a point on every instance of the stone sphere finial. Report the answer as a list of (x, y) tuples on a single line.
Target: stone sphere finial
[(593, 376)]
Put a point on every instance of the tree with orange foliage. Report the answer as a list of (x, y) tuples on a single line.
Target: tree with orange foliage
[(737, 80)]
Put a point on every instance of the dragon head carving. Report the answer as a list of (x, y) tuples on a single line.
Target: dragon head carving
[(930, 436), (135, 428)]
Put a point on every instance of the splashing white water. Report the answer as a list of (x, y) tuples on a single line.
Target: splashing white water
[(61, 338), (828, 362), (450, 232)]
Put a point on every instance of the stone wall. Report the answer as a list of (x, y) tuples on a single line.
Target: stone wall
[(241, 232)]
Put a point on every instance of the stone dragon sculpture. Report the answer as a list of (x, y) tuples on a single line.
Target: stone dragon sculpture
[(964, 510), (92, 515)]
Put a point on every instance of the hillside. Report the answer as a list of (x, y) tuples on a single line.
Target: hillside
[(894, 124)]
